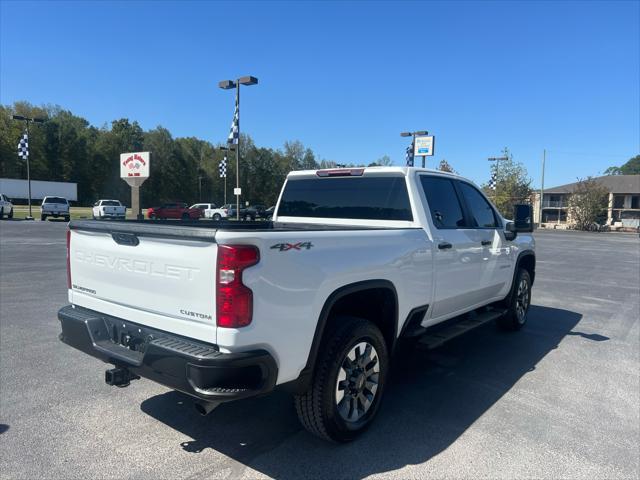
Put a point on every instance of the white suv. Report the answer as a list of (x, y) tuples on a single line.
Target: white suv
[(6, 207), (54, 207)]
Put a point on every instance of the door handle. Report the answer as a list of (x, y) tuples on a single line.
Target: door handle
[(444, 245), (486, 242)]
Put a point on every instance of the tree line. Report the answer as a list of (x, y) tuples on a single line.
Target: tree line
[(67, 148)]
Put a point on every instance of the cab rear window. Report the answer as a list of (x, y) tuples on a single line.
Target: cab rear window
[(55, 200), (362, 198)]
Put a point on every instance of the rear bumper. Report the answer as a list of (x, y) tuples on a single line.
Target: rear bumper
[(195, 368)]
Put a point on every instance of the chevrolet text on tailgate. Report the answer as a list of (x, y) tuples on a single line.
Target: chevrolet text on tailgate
[(356, 265)]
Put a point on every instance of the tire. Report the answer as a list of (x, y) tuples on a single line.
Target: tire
[(217, 217), (319, 408), (152, 216), (1, 213), (67, 218), (518, 305), (43, 218), (185, 216), (247, 218), (10, 214)]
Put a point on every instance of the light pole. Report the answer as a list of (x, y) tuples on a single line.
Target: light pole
[(413, 142), (234, 136), (26, 121)]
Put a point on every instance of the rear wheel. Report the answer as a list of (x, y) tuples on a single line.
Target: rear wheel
[(43, 217), (67, 218), (518, 306), (217, 217), (185, 216), (348, 383)]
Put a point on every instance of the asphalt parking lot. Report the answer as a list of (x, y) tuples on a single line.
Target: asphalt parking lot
[(561, 398)]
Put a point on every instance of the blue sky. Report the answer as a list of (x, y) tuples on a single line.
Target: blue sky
[(346, 78)]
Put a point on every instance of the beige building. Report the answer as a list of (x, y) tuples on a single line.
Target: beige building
[(623, 209)]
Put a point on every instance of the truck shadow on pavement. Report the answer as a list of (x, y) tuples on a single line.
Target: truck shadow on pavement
[(433, 398)]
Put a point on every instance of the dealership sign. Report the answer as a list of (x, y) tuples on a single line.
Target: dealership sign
[(134, 167), (423, 145)]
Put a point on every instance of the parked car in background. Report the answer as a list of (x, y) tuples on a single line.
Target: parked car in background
[(268, 213), (210, 210), (6, 207), (245, 213), (55, 207), (109, 209), (174, 210), (256, 211)]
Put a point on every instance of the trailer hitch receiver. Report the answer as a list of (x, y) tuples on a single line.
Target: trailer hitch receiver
[(119, 377)]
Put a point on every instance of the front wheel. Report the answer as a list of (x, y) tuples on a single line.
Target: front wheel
[(43, 217), (348, 382), (67, 218), (518, 305), (10, 214), (217, 217)]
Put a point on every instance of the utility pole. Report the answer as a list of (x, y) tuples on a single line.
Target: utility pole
[(544, 157), (28, 120)]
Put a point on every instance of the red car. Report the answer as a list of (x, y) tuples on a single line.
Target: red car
[(174, 210)]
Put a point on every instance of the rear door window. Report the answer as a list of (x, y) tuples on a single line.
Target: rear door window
[(444, 205)]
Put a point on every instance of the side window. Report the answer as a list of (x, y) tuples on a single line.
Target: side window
[(480, 210), (444, 205)]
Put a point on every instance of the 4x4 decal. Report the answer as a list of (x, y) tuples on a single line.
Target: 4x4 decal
[(285, 247)]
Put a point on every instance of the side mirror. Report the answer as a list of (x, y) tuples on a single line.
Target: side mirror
[(523, 218), (510, 232)]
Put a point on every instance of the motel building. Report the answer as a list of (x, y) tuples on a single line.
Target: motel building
[(623, 211)]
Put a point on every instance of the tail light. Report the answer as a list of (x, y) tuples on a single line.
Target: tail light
[(234, 299), (69, 259)]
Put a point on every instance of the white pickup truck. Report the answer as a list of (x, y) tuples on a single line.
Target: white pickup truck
[(355, 262), (54, 207), (108, 209)]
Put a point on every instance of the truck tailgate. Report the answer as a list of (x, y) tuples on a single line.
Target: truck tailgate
[(163, 281)]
